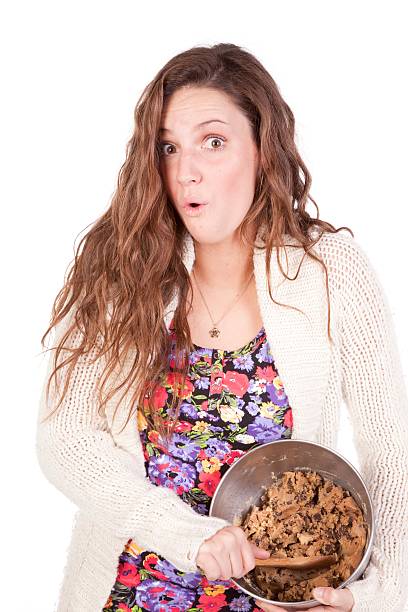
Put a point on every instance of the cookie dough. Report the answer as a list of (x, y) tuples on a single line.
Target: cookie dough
[(303, 514)]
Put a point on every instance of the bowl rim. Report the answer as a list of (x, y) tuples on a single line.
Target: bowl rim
[(369, 544)]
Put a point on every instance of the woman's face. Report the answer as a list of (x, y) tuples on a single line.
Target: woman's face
[(215, 163)]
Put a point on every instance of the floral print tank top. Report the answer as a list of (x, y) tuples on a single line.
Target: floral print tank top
[(233, 401)]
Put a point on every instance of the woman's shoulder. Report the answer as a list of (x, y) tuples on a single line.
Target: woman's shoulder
[(332, 240), (341, 247), (348, 263)]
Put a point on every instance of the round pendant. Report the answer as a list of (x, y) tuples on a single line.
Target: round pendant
[(214, 332)]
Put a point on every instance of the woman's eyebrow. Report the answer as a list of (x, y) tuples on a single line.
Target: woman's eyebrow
[(199, 125)]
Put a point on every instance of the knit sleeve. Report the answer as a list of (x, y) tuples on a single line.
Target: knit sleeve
[(375, 395), (78, 455)]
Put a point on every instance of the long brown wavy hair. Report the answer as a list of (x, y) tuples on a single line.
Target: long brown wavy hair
[(131, 258)]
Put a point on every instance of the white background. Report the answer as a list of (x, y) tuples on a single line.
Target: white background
[(72, 73)]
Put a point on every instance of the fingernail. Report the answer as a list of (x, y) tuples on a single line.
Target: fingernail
[(319, 592)]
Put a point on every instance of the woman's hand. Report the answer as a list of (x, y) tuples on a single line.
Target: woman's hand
[(228, 554), (335, 600)]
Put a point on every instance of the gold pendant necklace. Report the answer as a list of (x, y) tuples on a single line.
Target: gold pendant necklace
[(215, 331)]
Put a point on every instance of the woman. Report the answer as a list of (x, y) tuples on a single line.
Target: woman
[(207, 247)]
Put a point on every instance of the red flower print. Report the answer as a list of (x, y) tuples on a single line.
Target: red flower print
[(159, 397), (211, 604), (154, 439), (267, 373), (153, 436), (158, 589), (209, 482), (183, 426), (128, 574), (204, 582), (236, 383), (217, 377), (232, 455), (150, 560), (123, 606), (174, 379), (204, 406), (288, 420), (202, 455)]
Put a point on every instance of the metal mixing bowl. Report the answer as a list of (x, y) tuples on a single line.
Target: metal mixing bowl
[(245, 481)]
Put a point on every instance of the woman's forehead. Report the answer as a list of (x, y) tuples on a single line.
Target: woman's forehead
[(200, 109)]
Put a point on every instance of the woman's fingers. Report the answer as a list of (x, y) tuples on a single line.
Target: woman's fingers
[(246, 552), (341, 600), (210, 566), (226, 546), (248, 559), (336, 600), (242, 556), (237, 565), (239, 553), (226, 569), (229, 553)]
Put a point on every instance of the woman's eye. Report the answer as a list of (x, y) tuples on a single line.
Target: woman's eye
[(212, 138), (164, 146)]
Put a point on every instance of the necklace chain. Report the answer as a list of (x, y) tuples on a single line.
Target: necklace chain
[(215, 331)]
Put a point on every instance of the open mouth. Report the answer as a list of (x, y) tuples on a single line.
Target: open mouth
[(194, 207)]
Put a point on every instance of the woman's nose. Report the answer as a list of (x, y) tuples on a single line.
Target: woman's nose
[(188, 169)]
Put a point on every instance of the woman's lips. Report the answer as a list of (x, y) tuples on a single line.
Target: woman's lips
[(187, 202), (194, 211)]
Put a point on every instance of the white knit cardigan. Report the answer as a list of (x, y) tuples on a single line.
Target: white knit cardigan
[(102, 470)]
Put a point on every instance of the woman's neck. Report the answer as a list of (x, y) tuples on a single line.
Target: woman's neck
[(224, 266)]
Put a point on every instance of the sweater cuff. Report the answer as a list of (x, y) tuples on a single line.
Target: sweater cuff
[(366, 592), (188, 563)]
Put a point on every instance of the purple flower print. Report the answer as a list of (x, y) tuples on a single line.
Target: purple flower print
[(264, 353), (172, 473), (201, 354), (189, 580), (252, 408), (212, 417), (157, 595), (131, 559), (278, 396), (184, 448), (265, 430), (216, 430), (202, 382), (255, 387), (217, 448), (243, 362), (240, 604), (189, 410)]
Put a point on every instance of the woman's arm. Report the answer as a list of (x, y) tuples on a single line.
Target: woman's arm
[(79, 457), (375, 394)]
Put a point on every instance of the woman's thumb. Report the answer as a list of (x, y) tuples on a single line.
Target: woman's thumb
[(259, 553)]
